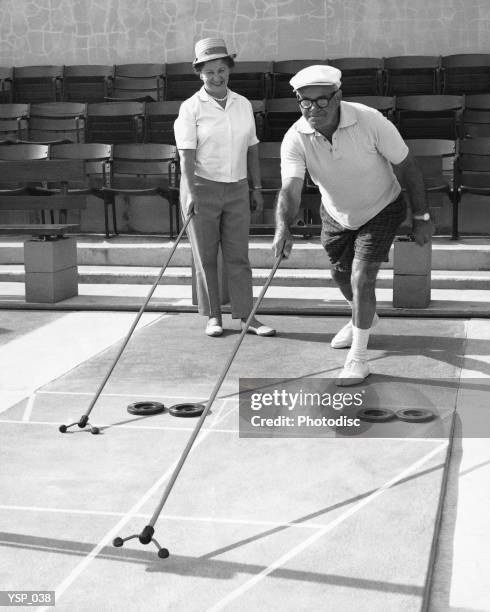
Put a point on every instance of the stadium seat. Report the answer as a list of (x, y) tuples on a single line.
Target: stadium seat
[(142, 170), (472, 174), (51, 121), (407, 75), (14, 121), (283, 71), (97, 159), (181, 82), (435, 116), (476, 116), (141, 82), (252, 79), (22, 152), (115, 122), (87, 83), (384, 104), (159, 121), (466, 73), (361, 76), (280, 114), (6, 76), (436, 159), (33, 84)]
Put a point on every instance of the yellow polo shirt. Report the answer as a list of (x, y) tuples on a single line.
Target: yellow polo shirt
[(354, 173), (221, 136)]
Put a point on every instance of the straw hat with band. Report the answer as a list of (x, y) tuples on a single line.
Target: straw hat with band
[(208, 49)]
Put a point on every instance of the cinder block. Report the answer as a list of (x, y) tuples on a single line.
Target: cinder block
[(411, 290), (50, 255), (50, 287), (410, 258)]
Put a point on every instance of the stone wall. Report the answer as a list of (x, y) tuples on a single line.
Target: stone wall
[(125, 31)]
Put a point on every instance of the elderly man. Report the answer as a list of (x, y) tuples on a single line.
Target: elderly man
[(351, 153)]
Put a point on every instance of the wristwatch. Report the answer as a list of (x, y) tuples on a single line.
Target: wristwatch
[(424, 217)]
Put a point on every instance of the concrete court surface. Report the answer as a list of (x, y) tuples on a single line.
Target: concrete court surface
[(330, 523)]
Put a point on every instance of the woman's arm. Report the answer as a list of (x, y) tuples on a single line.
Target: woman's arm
[(253, 167), (187, 168)]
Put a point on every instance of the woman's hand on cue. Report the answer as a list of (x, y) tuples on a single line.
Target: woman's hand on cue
[(192, 205)]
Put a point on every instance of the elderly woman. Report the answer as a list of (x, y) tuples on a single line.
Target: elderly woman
[(215, 135)]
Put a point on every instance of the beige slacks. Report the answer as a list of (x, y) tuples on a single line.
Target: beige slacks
[(223, 216)]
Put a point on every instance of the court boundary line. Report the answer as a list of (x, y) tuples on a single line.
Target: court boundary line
[(114, 531), (144, 395), (293, 552), (210, 429), (170, 517), (114, 426), (26, 417)]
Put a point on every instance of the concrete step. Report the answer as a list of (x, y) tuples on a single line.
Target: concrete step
[(323, 301), (284, 277), (150, 251)]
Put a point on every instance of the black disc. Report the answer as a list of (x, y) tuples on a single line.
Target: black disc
[(163, 553), (117, 542), (415, 415), (146, 408), (62, 428), (376, 415), (186, 410)]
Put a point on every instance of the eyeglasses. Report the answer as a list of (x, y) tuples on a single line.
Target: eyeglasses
[(321, 102)]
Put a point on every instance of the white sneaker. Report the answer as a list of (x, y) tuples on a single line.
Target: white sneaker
[(353, 373), (343, 338), (213, 327)]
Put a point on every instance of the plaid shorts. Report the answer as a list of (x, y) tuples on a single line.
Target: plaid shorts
[(370, 242)]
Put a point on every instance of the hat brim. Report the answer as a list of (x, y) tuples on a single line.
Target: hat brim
[(214, 56), (317, 83)]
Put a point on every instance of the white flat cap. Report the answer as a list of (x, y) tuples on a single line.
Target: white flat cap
[(316, 75)]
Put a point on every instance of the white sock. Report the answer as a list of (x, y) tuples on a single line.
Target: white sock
[(373, 322), (358, 349)]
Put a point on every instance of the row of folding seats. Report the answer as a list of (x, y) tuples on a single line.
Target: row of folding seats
[(401, 75), (431, 116), (145, 169), (123, 169), (451, 168), (107, 122)]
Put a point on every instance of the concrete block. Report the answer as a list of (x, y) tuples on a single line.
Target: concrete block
[(410, 258), (411, 290), (51, 287), (50, 255)]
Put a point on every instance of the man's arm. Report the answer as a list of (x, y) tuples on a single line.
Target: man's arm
[(411, 178), (288, 202)]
